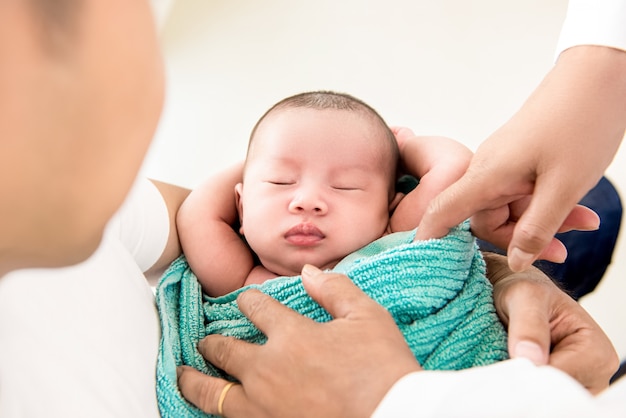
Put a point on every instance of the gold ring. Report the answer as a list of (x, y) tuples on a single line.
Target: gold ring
[(220, 401)]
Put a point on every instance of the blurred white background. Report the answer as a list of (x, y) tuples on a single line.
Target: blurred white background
[(456, 68)]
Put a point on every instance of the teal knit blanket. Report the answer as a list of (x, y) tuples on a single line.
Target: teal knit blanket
[(436, 291)]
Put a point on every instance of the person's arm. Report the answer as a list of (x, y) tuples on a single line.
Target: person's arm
[(437, 162), (533, 170), (530, 174), (345, 367), (217, 255)]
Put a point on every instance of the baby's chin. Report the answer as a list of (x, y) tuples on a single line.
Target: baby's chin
[(295, 269)]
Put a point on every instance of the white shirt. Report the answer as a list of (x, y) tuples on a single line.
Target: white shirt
[(594, 22), (512, 388), (82, 341)]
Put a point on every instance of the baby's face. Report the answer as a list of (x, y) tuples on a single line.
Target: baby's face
[(315, 188)]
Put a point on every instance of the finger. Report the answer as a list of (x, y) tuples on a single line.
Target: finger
[(493, 226), (497, 225), (573, 336), (402, 134), (528, 325), (401, 131), (555, 252), (266, 313), (204, 392), (489, 226), (230, 354), (451, 207), (583, 368), (581, 218), (538, 225), (337, 293)]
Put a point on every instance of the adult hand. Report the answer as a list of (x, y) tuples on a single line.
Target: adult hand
[(342, 368), (549, 327), (536, 167)]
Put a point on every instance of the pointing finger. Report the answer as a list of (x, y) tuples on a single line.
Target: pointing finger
[(454, 205)]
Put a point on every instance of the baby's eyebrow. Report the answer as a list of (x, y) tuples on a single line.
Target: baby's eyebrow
[(357, 169)]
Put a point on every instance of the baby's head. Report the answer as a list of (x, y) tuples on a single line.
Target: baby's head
[(318, 181), (382, 138)]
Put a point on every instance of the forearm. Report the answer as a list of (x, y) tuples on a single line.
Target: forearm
[(580, 107), (215, 252), (219, 258)]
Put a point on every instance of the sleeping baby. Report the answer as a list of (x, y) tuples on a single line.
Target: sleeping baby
[(319, 186)]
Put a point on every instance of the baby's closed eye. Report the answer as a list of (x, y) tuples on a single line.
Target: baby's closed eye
[(346, 187), (280, 181)]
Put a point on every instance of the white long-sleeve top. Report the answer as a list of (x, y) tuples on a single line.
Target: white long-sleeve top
[(594, 22), (512, 389)]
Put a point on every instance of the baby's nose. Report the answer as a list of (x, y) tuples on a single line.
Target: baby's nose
[(308, 201)]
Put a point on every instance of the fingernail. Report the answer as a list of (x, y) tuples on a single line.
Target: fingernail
[(309, 271), (531, 351), (520, 260)]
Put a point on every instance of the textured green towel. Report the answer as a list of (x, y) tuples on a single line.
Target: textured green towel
[(436, 291)]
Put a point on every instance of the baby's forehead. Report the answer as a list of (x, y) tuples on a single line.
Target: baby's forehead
[(347, 123), (333, 133)]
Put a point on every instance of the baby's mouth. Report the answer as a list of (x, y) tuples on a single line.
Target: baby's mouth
[(304, 234)]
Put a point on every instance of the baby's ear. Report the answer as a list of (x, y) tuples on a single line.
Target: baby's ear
[(239, 204)]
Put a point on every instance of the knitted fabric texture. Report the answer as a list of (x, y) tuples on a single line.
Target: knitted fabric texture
[(436, 291)]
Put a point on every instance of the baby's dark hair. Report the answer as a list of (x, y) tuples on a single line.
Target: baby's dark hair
[(325, 99)]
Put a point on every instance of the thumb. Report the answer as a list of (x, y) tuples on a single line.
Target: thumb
[(529, 329), (538, 225), (337, 293)]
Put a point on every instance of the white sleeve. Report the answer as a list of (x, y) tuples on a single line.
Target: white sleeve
[(142, 224), (594, 22), (512, 388)]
